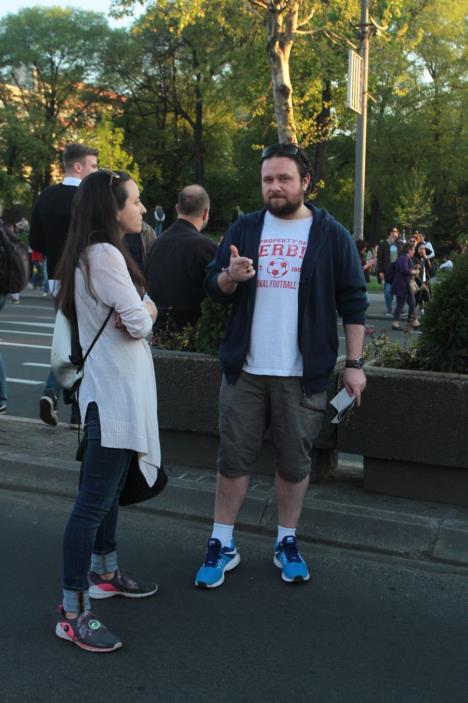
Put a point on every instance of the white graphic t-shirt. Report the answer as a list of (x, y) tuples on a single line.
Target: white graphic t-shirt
[(274, 350)]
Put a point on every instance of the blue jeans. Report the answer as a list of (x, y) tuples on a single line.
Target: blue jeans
[(53, 384), (388, 296), (89, 540), (3, 383)]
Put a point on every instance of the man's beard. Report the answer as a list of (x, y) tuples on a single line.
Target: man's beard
[(284, 207)]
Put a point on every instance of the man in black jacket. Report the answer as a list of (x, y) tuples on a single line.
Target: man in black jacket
[(48, 231), (286, 270), (388, 252), (176, 264)]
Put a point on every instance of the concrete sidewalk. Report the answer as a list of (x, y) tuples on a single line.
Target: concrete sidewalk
[(40, 459)]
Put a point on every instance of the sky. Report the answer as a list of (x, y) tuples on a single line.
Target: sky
[(8, 6)]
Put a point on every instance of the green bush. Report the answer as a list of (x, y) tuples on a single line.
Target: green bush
[(203, 337), (383, 352), (210, 326), (443, 343), (444, 333)]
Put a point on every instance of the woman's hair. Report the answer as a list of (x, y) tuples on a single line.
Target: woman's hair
[(418, 247), (407, 247), (94, 220)]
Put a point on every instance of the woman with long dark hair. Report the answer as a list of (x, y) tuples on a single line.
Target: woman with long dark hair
[(425, 272), (117, 397)]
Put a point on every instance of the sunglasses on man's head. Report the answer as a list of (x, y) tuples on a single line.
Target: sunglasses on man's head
[(284, 150), (110, 173)]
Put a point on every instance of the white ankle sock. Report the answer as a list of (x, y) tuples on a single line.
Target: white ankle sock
[(223, 533), (285, 532)]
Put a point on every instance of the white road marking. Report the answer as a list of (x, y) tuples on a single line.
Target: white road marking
[(29, 324), (25, 381), (33, 363), (29, 334), (33, 307), (29, 346)]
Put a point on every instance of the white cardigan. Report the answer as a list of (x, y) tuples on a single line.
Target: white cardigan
[(119, 372)]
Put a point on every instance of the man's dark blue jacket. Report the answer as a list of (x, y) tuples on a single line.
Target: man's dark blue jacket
[(331, 280)]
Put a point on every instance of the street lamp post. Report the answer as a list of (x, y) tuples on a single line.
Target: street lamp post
[(361, 132)]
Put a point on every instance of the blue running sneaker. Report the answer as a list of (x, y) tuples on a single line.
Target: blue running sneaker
[(217, 561), (288, 559)]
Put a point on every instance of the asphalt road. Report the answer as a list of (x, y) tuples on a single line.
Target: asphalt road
[(25, 340), (366, 630)]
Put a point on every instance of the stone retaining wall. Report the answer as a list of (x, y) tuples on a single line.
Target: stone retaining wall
[(411, 429)]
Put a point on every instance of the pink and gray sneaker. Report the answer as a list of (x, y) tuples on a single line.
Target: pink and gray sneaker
[(119, 585), (87, 632)]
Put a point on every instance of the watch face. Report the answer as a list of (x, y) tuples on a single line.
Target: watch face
[(355, 363)]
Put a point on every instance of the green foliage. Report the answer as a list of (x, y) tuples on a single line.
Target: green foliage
[(188, 89), (51, 84), (383, 352), (210, 326), (414, 210), (444, 334), (443, 344), (204, 337), (110, 142)]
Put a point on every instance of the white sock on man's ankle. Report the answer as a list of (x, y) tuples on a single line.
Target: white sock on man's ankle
[(285, 532), (223, 533)]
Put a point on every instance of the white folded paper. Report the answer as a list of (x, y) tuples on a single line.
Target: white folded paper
[(342, 402)]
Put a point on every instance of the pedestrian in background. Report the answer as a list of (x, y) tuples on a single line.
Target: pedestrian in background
[(3, 381), (176, 265), (48, 232), (405, 272), (117, 397), (159, 217), (425, 268), (139, 243), (387, 253)]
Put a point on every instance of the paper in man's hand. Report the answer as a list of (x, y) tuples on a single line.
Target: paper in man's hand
[(342, 402)]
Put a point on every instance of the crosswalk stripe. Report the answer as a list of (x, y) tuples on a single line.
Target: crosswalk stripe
[(30, 346), (28, 324), (31, 307), (25, 381), (29, 334)]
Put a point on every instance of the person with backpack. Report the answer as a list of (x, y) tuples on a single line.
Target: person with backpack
[(117, 398), (3, 381), (14, 275), (387, 253), (48, 232)]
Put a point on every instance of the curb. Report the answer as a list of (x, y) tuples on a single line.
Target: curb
[(337, 515)]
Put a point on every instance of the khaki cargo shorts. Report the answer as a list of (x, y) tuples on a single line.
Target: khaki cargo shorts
[(254, 403)]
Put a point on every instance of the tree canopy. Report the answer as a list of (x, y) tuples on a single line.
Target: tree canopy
[(193, 90)]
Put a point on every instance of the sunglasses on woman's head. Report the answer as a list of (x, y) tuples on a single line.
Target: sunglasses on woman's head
[(110, 173)]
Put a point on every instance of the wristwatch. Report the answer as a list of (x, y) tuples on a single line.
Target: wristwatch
[(355, 363)]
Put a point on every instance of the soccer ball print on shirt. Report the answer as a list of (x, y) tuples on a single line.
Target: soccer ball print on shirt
[(279, 262)]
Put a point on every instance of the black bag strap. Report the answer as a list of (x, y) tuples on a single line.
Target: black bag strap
[(101, 330), (76, 348)]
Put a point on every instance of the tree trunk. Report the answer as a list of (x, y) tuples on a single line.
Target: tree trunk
[(323, 135), (198, 126), (375, 221), (281, 25)]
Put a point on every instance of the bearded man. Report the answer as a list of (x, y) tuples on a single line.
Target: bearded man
[(286, 270)]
